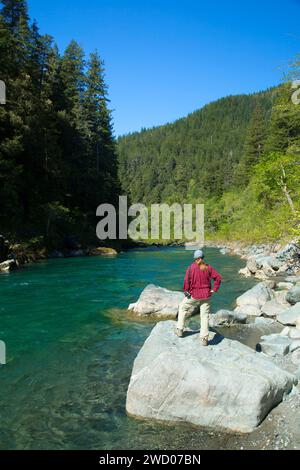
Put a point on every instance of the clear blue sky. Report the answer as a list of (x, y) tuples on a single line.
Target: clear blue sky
[(166, 58)]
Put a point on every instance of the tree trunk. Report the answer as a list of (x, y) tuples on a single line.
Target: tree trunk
[(289, 199)]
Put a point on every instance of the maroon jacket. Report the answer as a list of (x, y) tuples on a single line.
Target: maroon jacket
[(198, 283)]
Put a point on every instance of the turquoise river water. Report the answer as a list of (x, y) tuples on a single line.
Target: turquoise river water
[(71, 346)]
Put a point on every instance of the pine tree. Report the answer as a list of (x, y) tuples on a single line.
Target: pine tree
[(14, 12), (73, 81), (101, 152), (253, 149), (98, 116)]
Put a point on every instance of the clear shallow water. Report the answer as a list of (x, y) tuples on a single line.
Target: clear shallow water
[(70, 350)]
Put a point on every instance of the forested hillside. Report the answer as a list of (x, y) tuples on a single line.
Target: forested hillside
[(193, 157), (57, 151), (237, 155)]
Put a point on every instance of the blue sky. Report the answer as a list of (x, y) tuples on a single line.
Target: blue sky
[(166, 58)]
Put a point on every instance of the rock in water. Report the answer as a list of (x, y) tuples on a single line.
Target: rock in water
[(224, 251), (8, 266), (157, 301), (223, 386)]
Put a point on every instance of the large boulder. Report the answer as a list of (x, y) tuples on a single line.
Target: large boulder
[(253, 300), (275, 344), (157, 301), (223, 386), (293, 295), (290, 315), (272, 308), (263, 265), (227, 318), (268, 263), (249, 309)]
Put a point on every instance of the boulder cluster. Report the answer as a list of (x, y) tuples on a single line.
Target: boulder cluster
[(227, 385)]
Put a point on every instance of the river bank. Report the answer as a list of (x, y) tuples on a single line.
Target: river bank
[(264, 261), (16, 255)]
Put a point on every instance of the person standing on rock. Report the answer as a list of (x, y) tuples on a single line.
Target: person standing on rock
[(198, 292)]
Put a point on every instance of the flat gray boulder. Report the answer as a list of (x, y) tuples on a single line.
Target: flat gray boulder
[(227, 318), (157, 301), (290, 315), (223, 386), (272, 308)]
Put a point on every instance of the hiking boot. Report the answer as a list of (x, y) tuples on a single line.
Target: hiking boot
[(204, 341), (179, 333)]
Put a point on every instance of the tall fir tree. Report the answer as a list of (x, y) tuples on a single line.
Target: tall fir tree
[(14, 12), (254, 147)]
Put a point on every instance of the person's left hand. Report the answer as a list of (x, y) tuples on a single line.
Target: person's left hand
[(212, 292)]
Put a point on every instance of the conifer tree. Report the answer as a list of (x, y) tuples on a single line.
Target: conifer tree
[(254, 147)]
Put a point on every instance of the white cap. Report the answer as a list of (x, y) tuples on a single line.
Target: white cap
[(198, 254)]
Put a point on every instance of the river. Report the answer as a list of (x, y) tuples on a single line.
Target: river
[(71, 347)]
